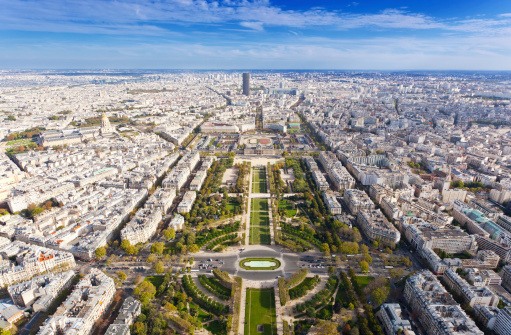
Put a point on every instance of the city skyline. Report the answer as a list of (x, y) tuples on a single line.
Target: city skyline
[(191, 34)]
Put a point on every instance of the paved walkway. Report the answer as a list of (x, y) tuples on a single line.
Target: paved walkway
[(279, 310), (249, 206), (243, 305)]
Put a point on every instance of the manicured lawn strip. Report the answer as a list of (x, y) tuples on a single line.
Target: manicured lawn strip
[(259, 187), (259, 205), (243, 261), (260, 310), (260, 235), (260, 219)]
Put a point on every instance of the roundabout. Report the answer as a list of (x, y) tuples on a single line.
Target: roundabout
[(260, 264)]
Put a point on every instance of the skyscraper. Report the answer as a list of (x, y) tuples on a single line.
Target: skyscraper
[(246, 84)]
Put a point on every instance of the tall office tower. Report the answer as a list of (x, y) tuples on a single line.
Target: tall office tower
[(246, 84)]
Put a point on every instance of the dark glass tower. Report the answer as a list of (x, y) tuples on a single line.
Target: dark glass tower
[(246, 84)]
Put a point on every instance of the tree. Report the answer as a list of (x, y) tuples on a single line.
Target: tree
[(368, 258), (157, 248), (379, 295), (100, 252), (325, 249), (151, 259), (158, 267), (364, 249), (140, 328), (331, 270), (122, 276), (193, 248), (125, 244), (364, 267), (326, 328), (169, 234)]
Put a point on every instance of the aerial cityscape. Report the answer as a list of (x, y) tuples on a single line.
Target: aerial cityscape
[(255, 167)]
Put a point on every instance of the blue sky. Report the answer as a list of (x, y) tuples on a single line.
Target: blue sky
[(256, 34)]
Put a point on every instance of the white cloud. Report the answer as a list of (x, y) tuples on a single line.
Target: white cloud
[(253, 25), (254, 14)]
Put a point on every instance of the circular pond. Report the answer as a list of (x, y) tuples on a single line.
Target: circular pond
[(259, 264)]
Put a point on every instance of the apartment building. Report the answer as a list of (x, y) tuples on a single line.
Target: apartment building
[(357, 200), (161, 198), (40, 291), (177, 222), (129, 311), (83, 307), (391, 317), (186, 204), (502, 324), (376, 226), (31, 261), (331, 202), (438, 312), (143, 225), (505, 273), (471, 295), (502, 250)]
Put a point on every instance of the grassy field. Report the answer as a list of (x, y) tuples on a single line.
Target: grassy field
[(286, 204), (215, 327), (231, 206), (155, 280), (363, 281), (260, 235), (259, 181), (259, 187), (259, 219), (260, 311), (259, 205), (259, 175)]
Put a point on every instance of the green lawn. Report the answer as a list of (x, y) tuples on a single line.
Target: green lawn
[(363, 281), (215, 327), (22, 141), (259, 205), (290, 212), (231, 206), (260, 219), (259, 181), (260, 235), (259, 187), (260, 310), (155, 280), (259, 175)]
